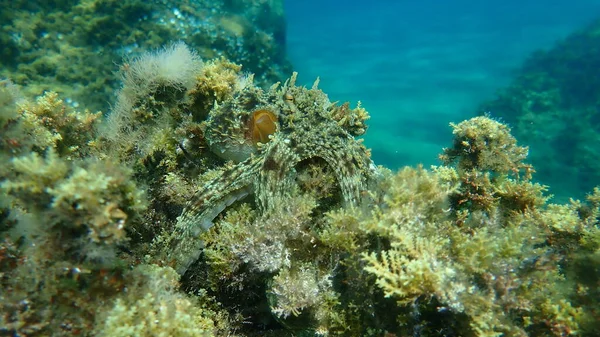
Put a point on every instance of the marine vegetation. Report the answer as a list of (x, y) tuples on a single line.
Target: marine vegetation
[(207, 205), (70, 46), (552, 105)]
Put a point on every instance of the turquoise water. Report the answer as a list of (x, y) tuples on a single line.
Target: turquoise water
[(418, 65)]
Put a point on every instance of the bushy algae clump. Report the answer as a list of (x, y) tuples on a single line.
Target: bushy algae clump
[(205, 205), (474, 241), (64, 216)]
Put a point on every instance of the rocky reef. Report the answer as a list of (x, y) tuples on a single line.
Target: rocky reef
[(208, 205), (72, 47), (552, 105)]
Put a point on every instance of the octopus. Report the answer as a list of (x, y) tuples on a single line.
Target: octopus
[(268, 133)]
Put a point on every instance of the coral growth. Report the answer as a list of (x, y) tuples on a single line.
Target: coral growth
[(485, 144), (47, 123)]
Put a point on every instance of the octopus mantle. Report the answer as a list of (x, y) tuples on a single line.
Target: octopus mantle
[(309, 126)]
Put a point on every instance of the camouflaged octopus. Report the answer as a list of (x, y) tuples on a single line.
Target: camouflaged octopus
[(270, 132)]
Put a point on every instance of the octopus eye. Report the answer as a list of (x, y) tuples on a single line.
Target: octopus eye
[(262, 124)]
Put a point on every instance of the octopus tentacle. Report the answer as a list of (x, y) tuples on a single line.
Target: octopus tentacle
[(346, 156), (276, 177), (205, 206), (217, 194)]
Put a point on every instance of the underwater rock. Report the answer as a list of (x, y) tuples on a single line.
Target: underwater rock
[(552, 106), (70, 47)]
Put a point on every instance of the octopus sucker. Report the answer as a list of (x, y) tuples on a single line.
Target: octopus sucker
[(269, 133)]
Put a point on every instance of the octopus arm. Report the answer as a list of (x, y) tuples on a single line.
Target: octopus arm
[(275, 179), (204, 207), (348, 159)]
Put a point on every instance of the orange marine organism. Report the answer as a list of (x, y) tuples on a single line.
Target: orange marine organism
[(263, 123)]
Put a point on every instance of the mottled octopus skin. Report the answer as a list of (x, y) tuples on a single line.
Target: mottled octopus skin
[(306, 130)]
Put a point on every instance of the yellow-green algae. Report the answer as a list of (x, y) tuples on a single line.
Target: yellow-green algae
[(89, 210), (71, 46)]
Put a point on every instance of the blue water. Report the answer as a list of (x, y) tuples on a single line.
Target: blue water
[(418, 65)]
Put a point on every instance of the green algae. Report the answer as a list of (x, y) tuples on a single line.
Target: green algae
[(71, 47), (472, 247)]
